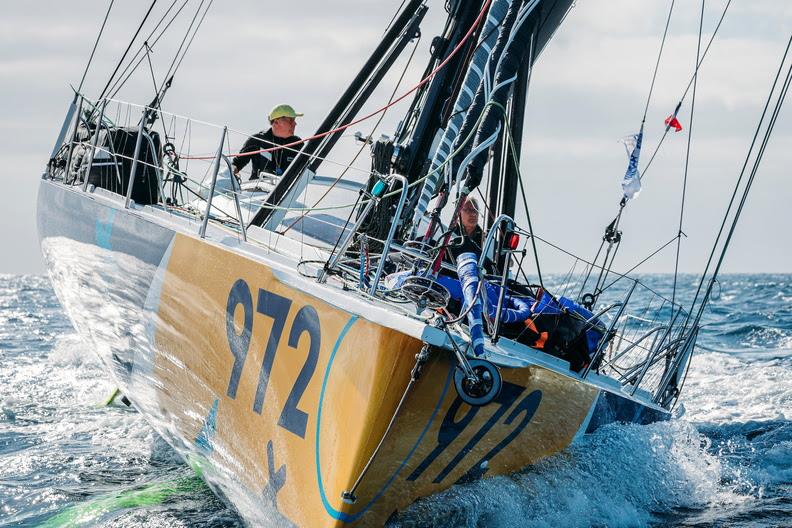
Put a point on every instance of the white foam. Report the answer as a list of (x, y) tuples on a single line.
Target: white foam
[(723, 388), (622, 475), (71, 351)]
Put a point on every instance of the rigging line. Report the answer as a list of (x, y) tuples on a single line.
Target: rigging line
[(626, 273), (623, 203), (395, 14), (459, 79), (156, 90), (687, 156), (419, 100), (612, 239), (684, 94), (742, 173), (198, 27), (90, 59), (184, 39), (590, 269), (522, 191), (366, 142), (487, 208), (481, 40), (132, 66), (151, 69), (749, 184), (657, 64), (621, 275), (393, 103), (528, 217), (341, 232), (489, 189), (706, 49), (104, 90), (531, 60), (568, 278), (607, 269)]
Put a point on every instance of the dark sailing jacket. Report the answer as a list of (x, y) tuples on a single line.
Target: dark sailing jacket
[(274, 162), (470, 244)]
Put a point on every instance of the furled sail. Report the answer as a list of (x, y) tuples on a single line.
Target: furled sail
[(506, 71), (473, 78), (512, 25)]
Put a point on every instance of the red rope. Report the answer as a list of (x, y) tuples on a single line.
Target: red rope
[(372, 114)]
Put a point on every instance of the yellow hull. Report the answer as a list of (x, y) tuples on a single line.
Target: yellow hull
[(279, 395), (288, 395)]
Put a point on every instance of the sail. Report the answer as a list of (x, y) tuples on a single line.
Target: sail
[(474, 76), (506, 72), (542, 17)]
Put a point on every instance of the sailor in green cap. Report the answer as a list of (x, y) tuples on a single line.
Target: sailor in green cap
[(283, 120)]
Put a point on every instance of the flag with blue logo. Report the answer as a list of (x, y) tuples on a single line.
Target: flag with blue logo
[(631, 184)]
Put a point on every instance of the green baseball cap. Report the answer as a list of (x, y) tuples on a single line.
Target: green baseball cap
[(283, 110)]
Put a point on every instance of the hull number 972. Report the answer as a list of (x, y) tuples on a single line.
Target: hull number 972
[(304, 326)]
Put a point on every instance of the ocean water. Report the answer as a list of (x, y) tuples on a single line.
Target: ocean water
[(726, 460)]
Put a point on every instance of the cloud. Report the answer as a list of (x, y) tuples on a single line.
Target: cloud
[(588, 90)]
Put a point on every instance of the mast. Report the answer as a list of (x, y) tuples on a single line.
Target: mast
[(516, 119), (414, 151), (430, 111), (535, 25), (348, 104), (522, 26), (432, 105)]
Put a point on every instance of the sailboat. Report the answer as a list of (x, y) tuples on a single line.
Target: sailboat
[(322, 370)]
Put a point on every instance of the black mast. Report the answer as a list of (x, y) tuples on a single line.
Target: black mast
[(516, 119), (401, 31), (439, 95)]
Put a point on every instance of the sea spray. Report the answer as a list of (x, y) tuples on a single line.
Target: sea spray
[(726, 462), (619, 476)]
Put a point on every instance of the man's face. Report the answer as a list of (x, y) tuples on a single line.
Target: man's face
[(283, 127)]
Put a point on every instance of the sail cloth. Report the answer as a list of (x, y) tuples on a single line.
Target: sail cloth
[(514, 53), (631, 184), (473, 78)]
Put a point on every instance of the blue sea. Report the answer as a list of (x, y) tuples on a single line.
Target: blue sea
[(66, 459)]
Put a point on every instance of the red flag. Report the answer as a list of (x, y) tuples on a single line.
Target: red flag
[(672, 122)]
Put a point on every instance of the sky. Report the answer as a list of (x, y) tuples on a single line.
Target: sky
[(588, 90)]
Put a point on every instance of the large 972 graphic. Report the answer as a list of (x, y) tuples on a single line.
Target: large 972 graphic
[(276, 307), (511, 408)]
